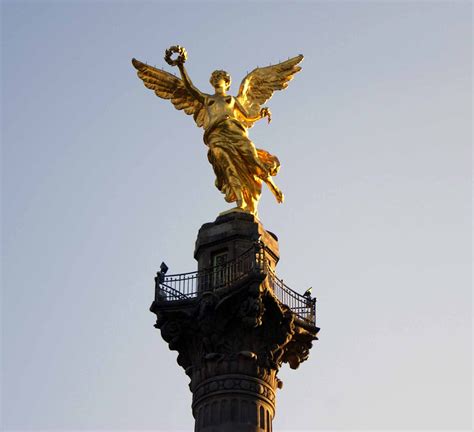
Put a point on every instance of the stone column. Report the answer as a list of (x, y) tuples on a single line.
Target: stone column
[(232, 338)]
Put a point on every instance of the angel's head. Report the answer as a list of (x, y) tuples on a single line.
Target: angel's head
[(220, 79)]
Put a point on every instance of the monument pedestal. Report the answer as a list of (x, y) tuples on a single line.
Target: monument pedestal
[(233, 324)]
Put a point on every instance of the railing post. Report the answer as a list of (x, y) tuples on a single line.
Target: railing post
[(260, 261), (157, 286), (313, 311)]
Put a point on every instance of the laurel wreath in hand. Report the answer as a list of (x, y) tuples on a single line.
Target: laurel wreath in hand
[(175, 49)]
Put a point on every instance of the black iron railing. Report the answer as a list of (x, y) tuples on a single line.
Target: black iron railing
[(190, 285), (301, 305)]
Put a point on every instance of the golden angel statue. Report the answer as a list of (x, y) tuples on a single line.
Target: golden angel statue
[(239, 166)]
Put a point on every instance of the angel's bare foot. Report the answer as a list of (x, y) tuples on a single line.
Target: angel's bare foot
[(275, 190), (279, 196)]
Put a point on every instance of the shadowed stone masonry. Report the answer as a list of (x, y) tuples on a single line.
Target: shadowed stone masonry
[(234, 332)]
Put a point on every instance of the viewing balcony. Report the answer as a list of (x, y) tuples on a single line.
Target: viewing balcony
[(252, 264)]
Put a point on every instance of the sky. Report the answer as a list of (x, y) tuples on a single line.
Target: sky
[(102, 181)]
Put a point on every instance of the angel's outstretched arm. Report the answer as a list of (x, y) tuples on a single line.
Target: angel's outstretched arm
[(264, 112), (189, 84)]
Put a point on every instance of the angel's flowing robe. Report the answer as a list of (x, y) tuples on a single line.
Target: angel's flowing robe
[(239, 166)]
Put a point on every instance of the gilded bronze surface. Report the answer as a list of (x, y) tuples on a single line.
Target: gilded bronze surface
[(239, 166)]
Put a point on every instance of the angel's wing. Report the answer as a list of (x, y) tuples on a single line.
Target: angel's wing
[(258, 86), (167, 86)]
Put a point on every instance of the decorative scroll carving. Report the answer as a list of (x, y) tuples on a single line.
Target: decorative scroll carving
[(248, 321)]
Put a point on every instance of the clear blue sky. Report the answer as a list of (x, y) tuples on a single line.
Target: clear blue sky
[(102, 181)]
